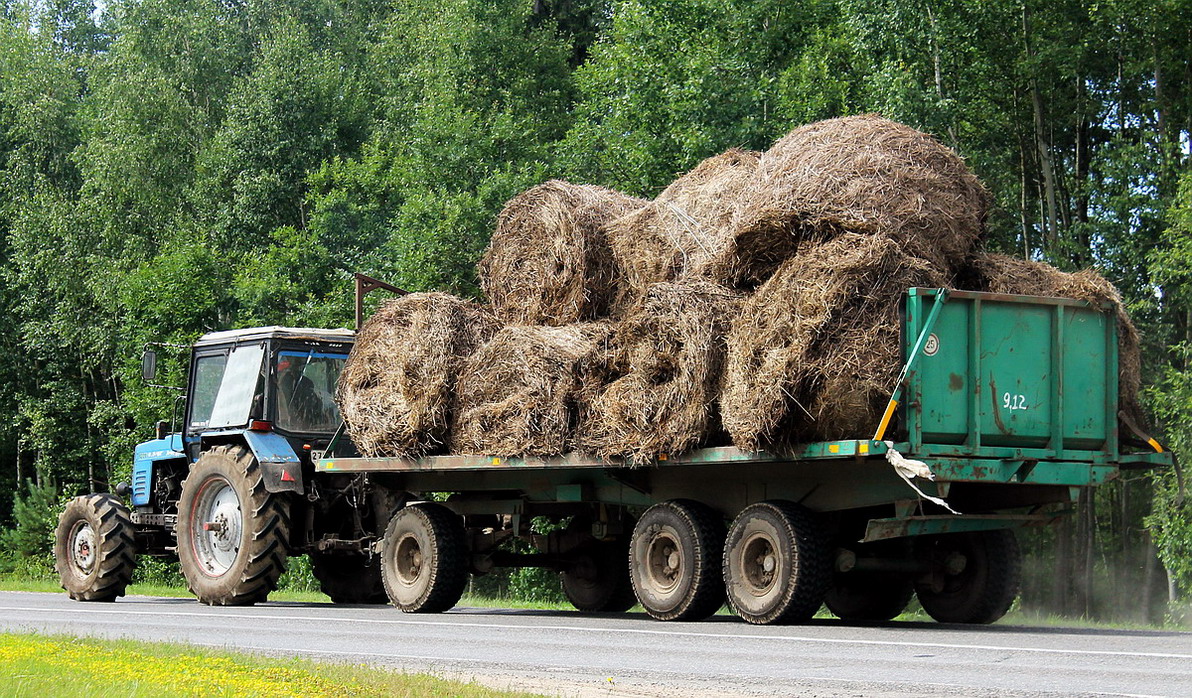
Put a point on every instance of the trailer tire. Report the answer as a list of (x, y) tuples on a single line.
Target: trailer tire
[(776, 567), (424, 558), (349, 578), (232, 533), (95, 548), (872, 596), (598, 580), (984, 589), (674, 560)]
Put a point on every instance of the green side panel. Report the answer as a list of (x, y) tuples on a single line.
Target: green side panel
[(1087, 390), (1012, 371), (1016, 364), (944, 376)]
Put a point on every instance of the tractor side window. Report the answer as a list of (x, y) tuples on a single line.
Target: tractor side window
[(306, 391), (209, 372)]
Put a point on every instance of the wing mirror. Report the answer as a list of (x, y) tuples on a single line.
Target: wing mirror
[(149, 365)]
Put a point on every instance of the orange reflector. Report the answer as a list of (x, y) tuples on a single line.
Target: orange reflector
[(260, 425)]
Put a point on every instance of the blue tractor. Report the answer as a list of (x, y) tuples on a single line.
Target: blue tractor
[(233, 492)]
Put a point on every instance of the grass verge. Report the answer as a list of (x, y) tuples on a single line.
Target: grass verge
[(50, 666)]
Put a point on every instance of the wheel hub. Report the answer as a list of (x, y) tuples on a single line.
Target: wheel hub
[(83, 547), (409, 560), (217, 539), (759, 562), (665, 562)]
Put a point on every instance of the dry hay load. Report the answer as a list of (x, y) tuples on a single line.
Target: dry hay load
[(517, 395), (548, 262), (687, 227), (998, 273), (861, 174), (814, 352), (395, 390), (669, 354)]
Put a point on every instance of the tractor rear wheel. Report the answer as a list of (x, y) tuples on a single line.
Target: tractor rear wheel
[(95, 548), (674, 560), (349, 578), (232, 533), (424, 558)]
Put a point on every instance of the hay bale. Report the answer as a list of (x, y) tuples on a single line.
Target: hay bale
[(669, 354), (395, 389), (998, 273), (813, 353), (862, 174), (686, 229), (517, 395), (548, 262)]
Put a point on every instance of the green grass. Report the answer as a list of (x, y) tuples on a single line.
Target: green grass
[(58, 666)]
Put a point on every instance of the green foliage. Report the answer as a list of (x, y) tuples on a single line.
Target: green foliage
[(158, 572), (171, 167), (29, 544), (298, 576)]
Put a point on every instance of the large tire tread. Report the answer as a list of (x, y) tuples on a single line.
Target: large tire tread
[(268, 516), (707, 593), (349, 579), (813, 571), (449, 576), (998, 553), (117, 548)]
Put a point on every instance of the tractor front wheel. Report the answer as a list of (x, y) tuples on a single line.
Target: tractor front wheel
[(95, 548)]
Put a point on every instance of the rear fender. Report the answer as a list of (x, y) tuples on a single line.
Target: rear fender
[(281, 469)]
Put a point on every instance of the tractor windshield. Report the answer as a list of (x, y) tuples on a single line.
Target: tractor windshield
[(306, 391)]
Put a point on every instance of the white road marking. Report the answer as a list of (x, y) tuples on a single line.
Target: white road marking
[(589, 629)]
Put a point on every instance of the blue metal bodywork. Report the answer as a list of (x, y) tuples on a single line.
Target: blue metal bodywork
[(145, 456), (272, 451), (270, 447)]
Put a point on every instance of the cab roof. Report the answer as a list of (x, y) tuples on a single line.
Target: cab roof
[(276, 332)]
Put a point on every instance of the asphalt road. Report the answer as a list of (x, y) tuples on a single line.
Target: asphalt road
[(570, 654)]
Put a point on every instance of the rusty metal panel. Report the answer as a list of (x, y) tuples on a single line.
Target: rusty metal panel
[(1014, 371)]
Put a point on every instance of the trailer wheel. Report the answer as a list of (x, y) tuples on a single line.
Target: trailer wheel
[(95, 548), (349, 578), (674, 560), (232, 533), (872, 596), (776, 567), (424, 559), (978, 578), (598, 580)]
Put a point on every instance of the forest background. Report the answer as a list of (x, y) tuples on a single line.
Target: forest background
[(169, 167)]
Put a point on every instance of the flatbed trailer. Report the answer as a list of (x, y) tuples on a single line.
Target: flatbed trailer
[(1006, 408)]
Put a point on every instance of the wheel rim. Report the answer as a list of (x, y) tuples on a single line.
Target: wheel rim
[(760, 563), (82, 547), (408, 560), (216, 527), (664, 562)]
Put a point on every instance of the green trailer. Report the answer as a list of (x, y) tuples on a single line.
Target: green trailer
[(1007, 406)]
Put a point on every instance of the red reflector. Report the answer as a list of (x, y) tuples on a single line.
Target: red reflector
[(260, 425), (286, 476)]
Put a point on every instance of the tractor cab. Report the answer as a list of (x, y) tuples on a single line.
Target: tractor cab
[(269, 389), (266, 379)]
